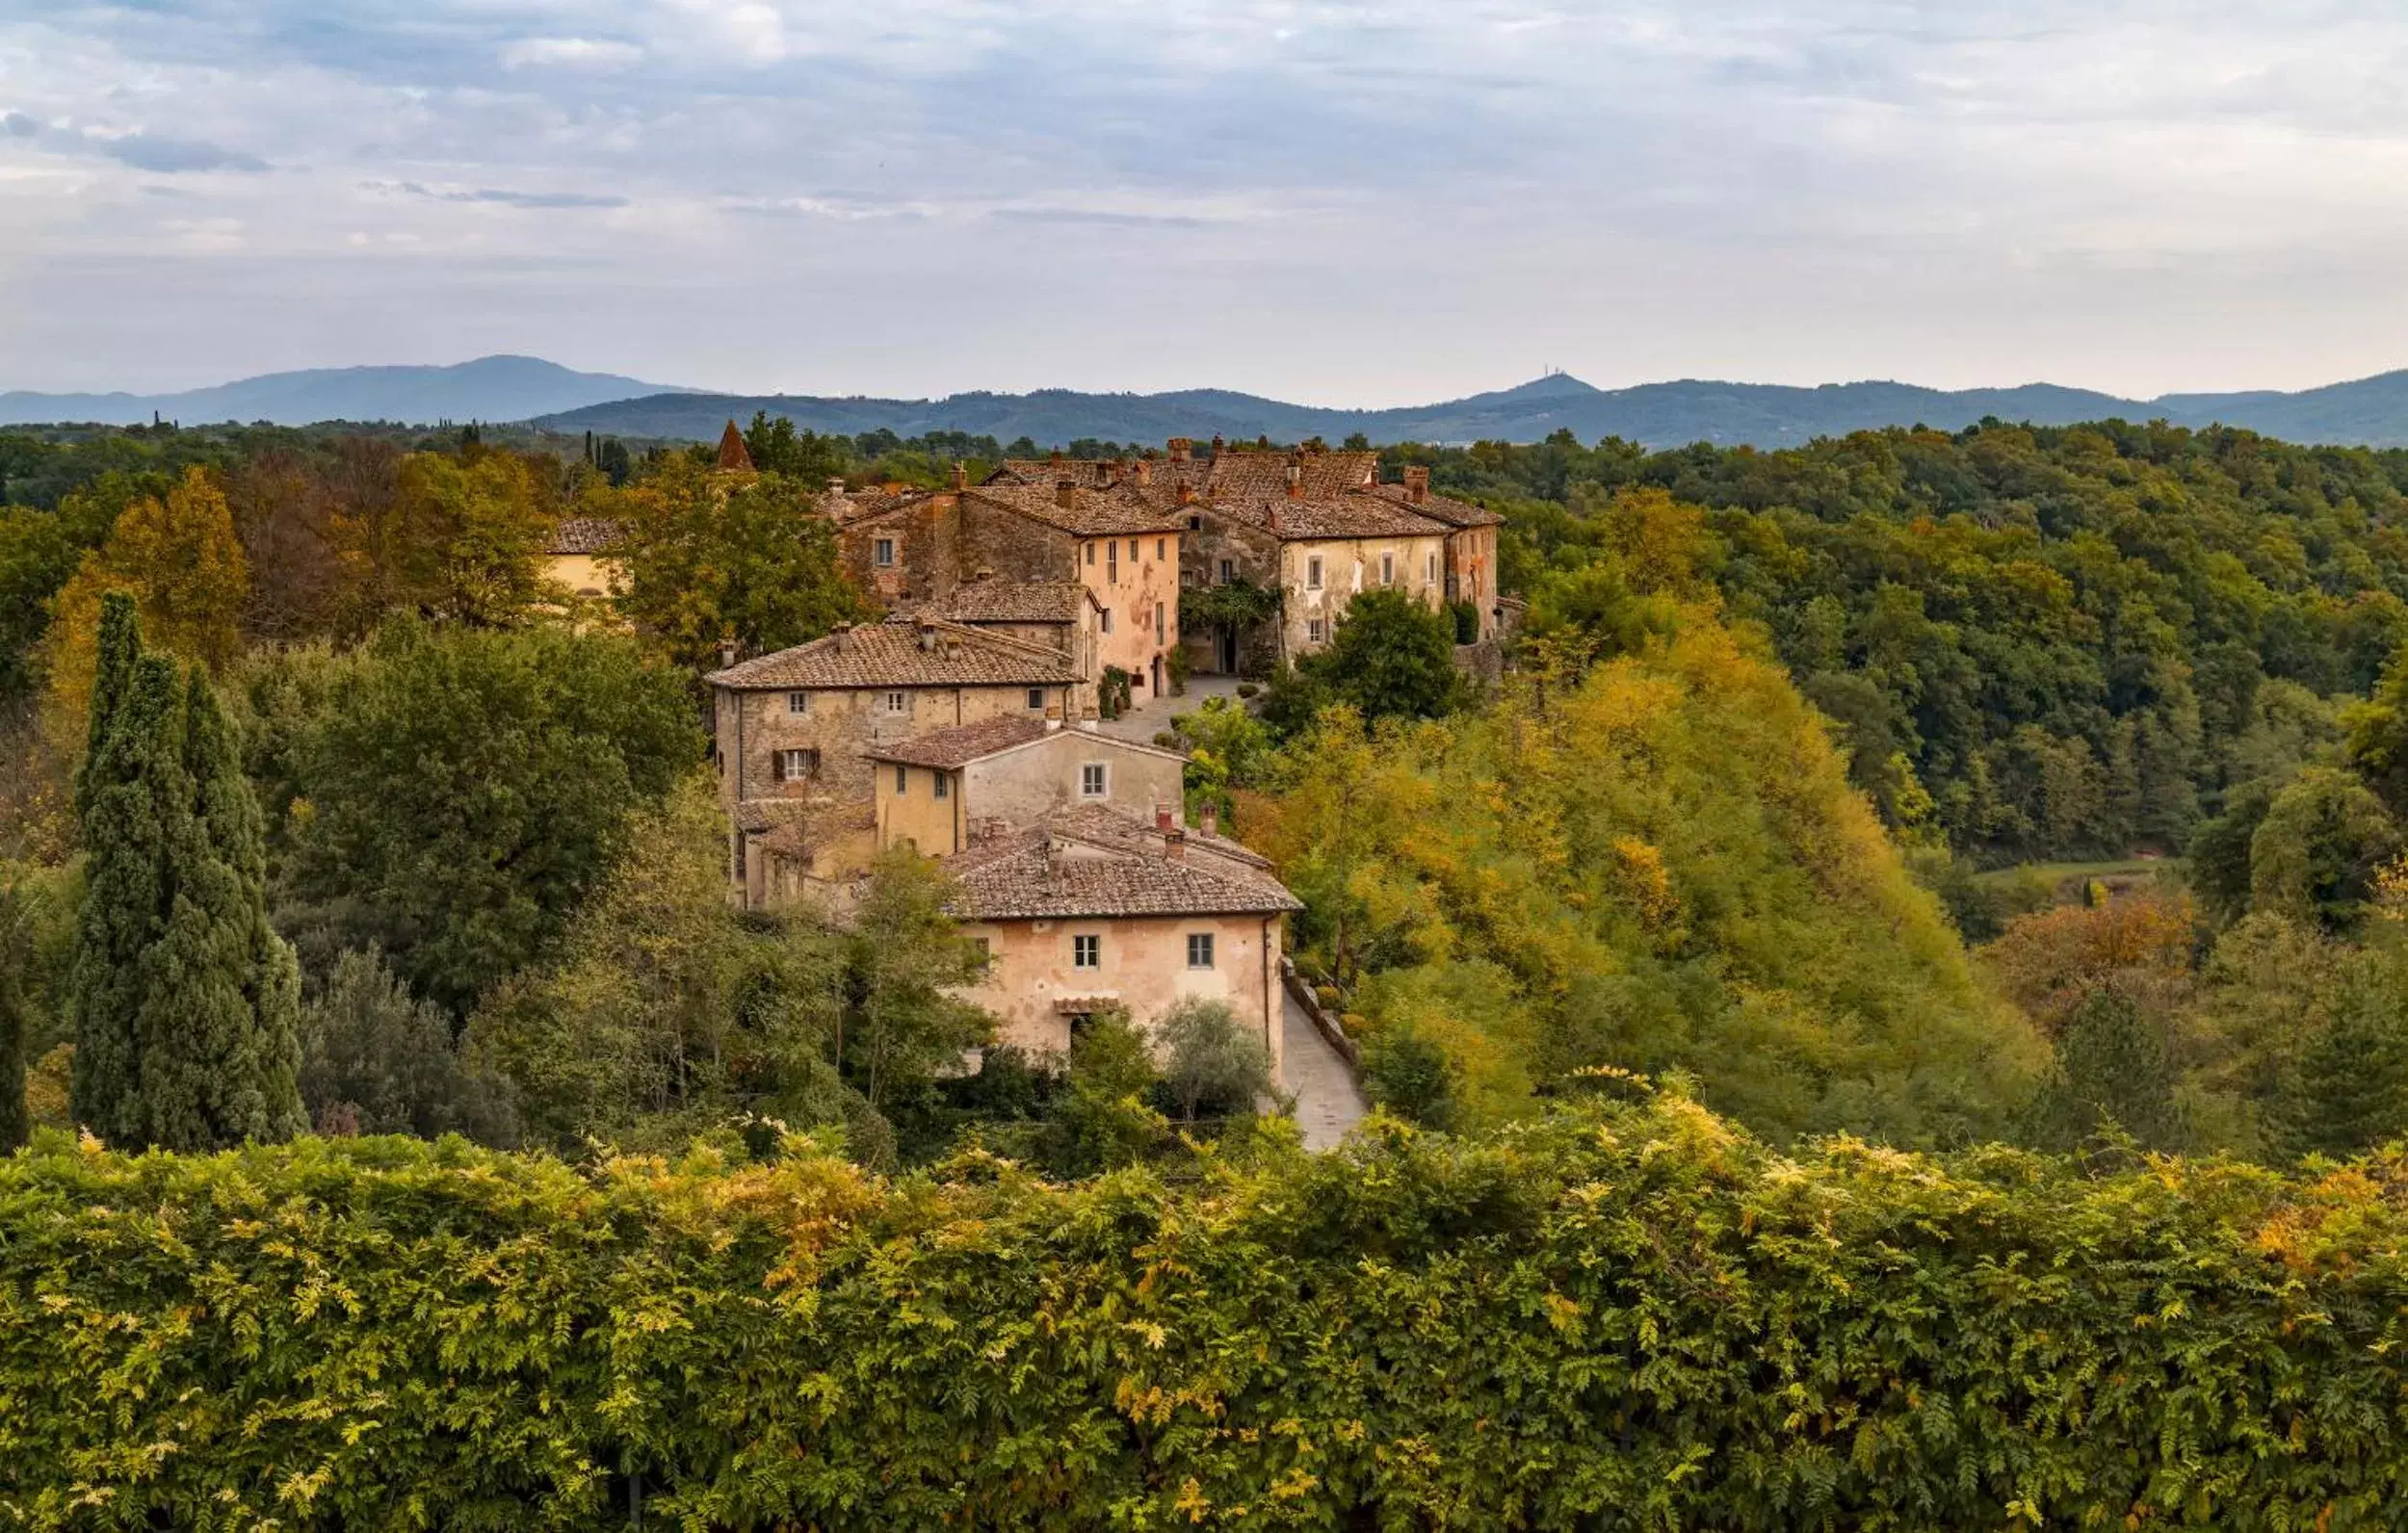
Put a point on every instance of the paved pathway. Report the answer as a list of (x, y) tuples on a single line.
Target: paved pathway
[(1327, 1101), (1152, 716)]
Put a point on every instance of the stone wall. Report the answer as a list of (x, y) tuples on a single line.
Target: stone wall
[(1144, 968)]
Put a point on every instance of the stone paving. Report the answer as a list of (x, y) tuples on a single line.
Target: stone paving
[(1143, 722), (1327, 1101)]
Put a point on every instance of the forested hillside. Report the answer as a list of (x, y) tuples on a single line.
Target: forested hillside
[(2046, 643)]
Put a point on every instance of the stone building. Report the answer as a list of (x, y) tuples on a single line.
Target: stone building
[(793, 732), (1091, 907), (578, 556), (941, 792)]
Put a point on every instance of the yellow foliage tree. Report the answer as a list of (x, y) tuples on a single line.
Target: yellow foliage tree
[(178, 558)]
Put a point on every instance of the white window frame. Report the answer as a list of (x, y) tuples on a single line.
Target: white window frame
[(794, 763), (899, 702), (1228, 571), (1313, 572), (1207, 950), (882, 553), (1316, 631), (797, 702), (1086, 952), (1111, 562), (1387, 569), (940, 783), (1095, 779)]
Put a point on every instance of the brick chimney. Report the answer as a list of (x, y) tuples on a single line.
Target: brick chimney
[(1217, 444), (961, 474), (1175, 845), (1145, 472), (837, 635), (727, 653), (1053, 458), (927, 637), (1211, 820), (1161, 818), (1417, 483), (1295, 479), (1180, 448), (1065, 493)]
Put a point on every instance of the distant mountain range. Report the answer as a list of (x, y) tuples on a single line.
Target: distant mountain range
[(492, 388), (2369, 411)]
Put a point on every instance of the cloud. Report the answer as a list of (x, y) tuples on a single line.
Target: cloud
[(17, 125), (165, 156), (1100, 218), (575, 53), (501, 197)]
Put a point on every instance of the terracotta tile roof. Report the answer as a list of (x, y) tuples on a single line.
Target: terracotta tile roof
[(1007, 601), (1092, 512), (1437, 507), (1101, 871), (894, 654), (734, 456), (962, 744), (1321, 475), (1352, 515), (583, 534), (1111, 827)]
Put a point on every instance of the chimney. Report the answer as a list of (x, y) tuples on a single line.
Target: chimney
[(1186, 493), (1087, 720), (1417, 483), (1053, 716), (727, 653), (1180, 448), (1145, 472), (1296, 478), (927, 637), (1217, 444), (1053, 458), (1054, 856), (1065, 493), (1211, 820), (1175, 845), (838, 636), (836, 484), (961, 474), (1161, 818)]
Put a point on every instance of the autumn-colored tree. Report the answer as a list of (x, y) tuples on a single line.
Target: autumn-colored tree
[(2139, 944), (459, 536), (178, 558)]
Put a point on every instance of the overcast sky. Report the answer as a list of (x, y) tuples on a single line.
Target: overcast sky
[(1340, 203)]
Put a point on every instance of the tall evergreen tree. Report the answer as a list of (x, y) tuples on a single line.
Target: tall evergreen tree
[(185, 1002), (118, 642), (2111, 1066), (2350, 1089), (17, 952)]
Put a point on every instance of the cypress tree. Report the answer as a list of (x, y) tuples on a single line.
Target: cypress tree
[(133, 804), (185, 1002), (118, 646), (15, 956)]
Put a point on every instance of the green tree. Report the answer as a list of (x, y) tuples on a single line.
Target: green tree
[(1212, 1067), (2314, 855), (376, 1059), (708, 557), (2350, 1088), (1408, 1073), (2113, 1067), (465, 787), (1102, 1121), (461, 538), (2219, 855), (902, 1024), (1391, 657), (184, 1000), (806, 457), (17, 1014)]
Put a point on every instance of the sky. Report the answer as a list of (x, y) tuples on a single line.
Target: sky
[(1363, 204)]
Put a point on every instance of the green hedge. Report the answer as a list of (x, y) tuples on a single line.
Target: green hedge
[(1615, 1318)]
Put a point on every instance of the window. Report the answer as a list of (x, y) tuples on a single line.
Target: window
[(1432, 576), (942, 784), (1387, 569), (1086, 952), (793, 766), (902, 779), (1195, 521), (797, 702), (1161, 622), (1162, 548), (882, 553), (1316, 631), (1091, 553), (1036, 699), (1112, 560), (1091, 782), (1199, 949), (1133, 556), (1312, 572), (1104, 621), (1228, 570), (898, 703)]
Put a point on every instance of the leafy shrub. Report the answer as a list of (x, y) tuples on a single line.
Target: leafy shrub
[(1615, 1318), (1247, 690)]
